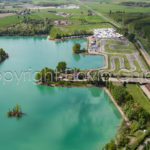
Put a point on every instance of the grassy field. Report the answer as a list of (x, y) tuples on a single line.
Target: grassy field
[(88, 27), (139, 96), (78, 19), (106, 7), (10, 20), (120, 46)]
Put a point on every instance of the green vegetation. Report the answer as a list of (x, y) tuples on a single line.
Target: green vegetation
[(138, 68), (16, 112), (76, 48), (129, 137), (80, 21), (70, 83), (28, 27), (61, 33), (139, 96), (61, 67), (117, 63), (138, 4), (119, 47), (147, 146), (46, 76), (137, 23), (126, 62), (105, 7), (3, 55), (46, 4)]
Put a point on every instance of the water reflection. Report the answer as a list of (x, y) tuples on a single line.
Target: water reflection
[(76, 57)]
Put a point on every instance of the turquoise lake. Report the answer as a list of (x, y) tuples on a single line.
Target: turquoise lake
[(57, 118)]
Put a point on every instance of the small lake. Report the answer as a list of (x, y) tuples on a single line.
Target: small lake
[(57, 118), (39, 52)]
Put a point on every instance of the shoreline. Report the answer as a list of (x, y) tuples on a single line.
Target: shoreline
[(105, 66), (90, 85), (117, 106), (67, 85)]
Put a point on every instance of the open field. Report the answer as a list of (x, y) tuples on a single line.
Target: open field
[(9, 20), (106, 7), (78, 19)]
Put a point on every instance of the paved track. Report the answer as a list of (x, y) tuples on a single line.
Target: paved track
[(134, 56), (116, 25)]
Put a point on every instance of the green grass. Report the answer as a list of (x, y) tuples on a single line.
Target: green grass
[(126, 62), (68, 30), (138, 68), (78, 19), (106, 7), (10, 20), (120, 46), (139, 96), (124, 47), (117, 63)]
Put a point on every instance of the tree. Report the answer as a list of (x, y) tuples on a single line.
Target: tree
[(61, 67), (119, 94), (76, 48), (110, 12), (131, 37), (3, 55), (111, 145), (46, 75)]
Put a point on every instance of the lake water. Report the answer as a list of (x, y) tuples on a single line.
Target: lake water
[(57, 118)]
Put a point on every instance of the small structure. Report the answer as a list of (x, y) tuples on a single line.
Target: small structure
[(24, 12), (63, 14), (92, 44), (90, 13), (63, 76), (61, 22)]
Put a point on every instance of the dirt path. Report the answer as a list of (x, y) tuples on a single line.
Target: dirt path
[(5, 14)]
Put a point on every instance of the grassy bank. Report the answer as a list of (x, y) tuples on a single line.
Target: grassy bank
[(139, 96)]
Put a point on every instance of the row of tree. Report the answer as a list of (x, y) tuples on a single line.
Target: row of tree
[(28, 27), (138, 117), (56, 33)]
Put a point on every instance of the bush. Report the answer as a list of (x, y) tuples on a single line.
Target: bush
[(119, 94), (61, 67), (76, 48)]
